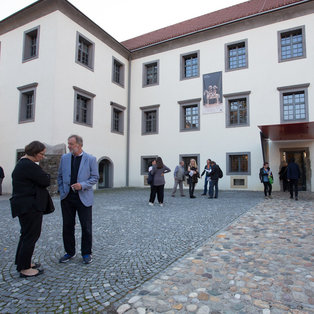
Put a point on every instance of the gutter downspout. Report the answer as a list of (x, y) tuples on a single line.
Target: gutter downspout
[(128, 126)]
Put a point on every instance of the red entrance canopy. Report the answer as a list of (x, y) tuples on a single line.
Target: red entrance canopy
[(289, 131)]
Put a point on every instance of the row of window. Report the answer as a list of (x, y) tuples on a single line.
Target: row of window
[(291, 45), (84, 53), (83, 108), (293, 103), (237, 163)]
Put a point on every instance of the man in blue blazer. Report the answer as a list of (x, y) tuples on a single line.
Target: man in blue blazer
[(78, 172)]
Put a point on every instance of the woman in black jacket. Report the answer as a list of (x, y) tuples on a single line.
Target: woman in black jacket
[(193, 176), (29, 200)]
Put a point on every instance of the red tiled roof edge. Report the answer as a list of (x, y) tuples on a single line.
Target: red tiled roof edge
[(227, 15)]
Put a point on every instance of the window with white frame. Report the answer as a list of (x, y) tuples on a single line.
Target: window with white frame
[(31, 44), (117, 121), (291, 44), (151, 73), (27, 103), (190, 115), (236, 55), (294, 103), (84, 51), (117, 72), (238, 163), (190, 65), (83, 107), (237, 109), (150, 119)]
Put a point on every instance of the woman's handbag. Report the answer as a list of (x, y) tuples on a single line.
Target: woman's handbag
[(150, 178), (43, 201), (50, 208), (270, 179)]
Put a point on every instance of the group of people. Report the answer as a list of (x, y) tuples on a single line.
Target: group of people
[(289, 174), (156, 179), (78, 172)]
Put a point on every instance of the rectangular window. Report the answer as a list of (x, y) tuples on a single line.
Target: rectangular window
[(291, 44), (117, 123), (190, 115), (150, 119), (236, 55), (294, 103), (117, 72), (238, 163), (237, 109), (31, 44), (27, 102), (83, 107), (190, 65), (84, 51), (151, 73), (187, 158), (294, 106), (146, 162)]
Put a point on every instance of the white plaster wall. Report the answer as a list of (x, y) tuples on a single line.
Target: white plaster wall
[(98, 140), (56, 72), (262, 78)]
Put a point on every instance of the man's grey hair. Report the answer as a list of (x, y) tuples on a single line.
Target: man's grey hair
[(78, 139)]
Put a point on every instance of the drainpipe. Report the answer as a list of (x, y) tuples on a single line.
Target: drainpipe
[(128, 127)]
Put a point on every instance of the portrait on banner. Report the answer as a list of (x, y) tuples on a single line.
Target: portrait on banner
[(212, 92)]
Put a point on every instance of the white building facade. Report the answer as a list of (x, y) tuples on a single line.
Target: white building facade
[(239, 92)]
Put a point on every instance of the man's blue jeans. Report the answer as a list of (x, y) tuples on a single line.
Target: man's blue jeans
[(207, 179), (212, 184)]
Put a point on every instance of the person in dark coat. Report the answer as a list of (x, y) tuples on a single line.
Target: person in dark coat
[(293, 176), (28, 181), (1, 179), (193, 176), (283, 176), (214, 178)]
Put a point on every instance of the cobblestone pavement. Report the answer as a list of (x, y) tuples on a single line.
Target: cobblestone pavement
[(261, 263), (132, 243)]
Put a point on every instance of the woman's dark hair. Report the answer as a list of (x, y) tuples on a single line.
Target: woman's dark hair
[(34, 148), (266, 163), (159, 163)]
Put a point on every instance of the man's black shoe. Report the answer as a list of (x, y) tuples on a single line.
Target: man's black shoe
[(87, 259), (66, 258)]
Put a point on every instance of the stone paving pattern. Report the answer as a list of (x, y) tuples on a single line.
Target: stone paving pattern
[(258, 259), (132, 243), (261, 263)]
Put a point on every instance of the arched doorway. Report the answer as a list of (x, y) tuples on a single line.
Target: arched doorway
[(105, 168)]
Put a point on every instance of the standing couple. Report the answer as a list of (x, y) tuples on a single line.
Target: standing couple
[(78, 172)]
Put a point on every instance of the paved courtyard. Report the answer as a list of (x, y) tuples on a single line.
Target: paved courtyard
[(132, 243)]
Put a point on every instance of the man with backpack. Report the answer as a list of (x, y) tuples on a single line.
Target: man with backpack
[(215, 175)]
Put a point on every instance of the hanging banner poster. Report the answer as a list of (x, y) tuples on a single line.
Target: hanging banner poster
[(212, 93)]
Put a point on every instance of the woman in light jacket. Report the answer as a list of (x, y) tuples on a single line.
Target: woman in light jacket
[(158, 171)]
